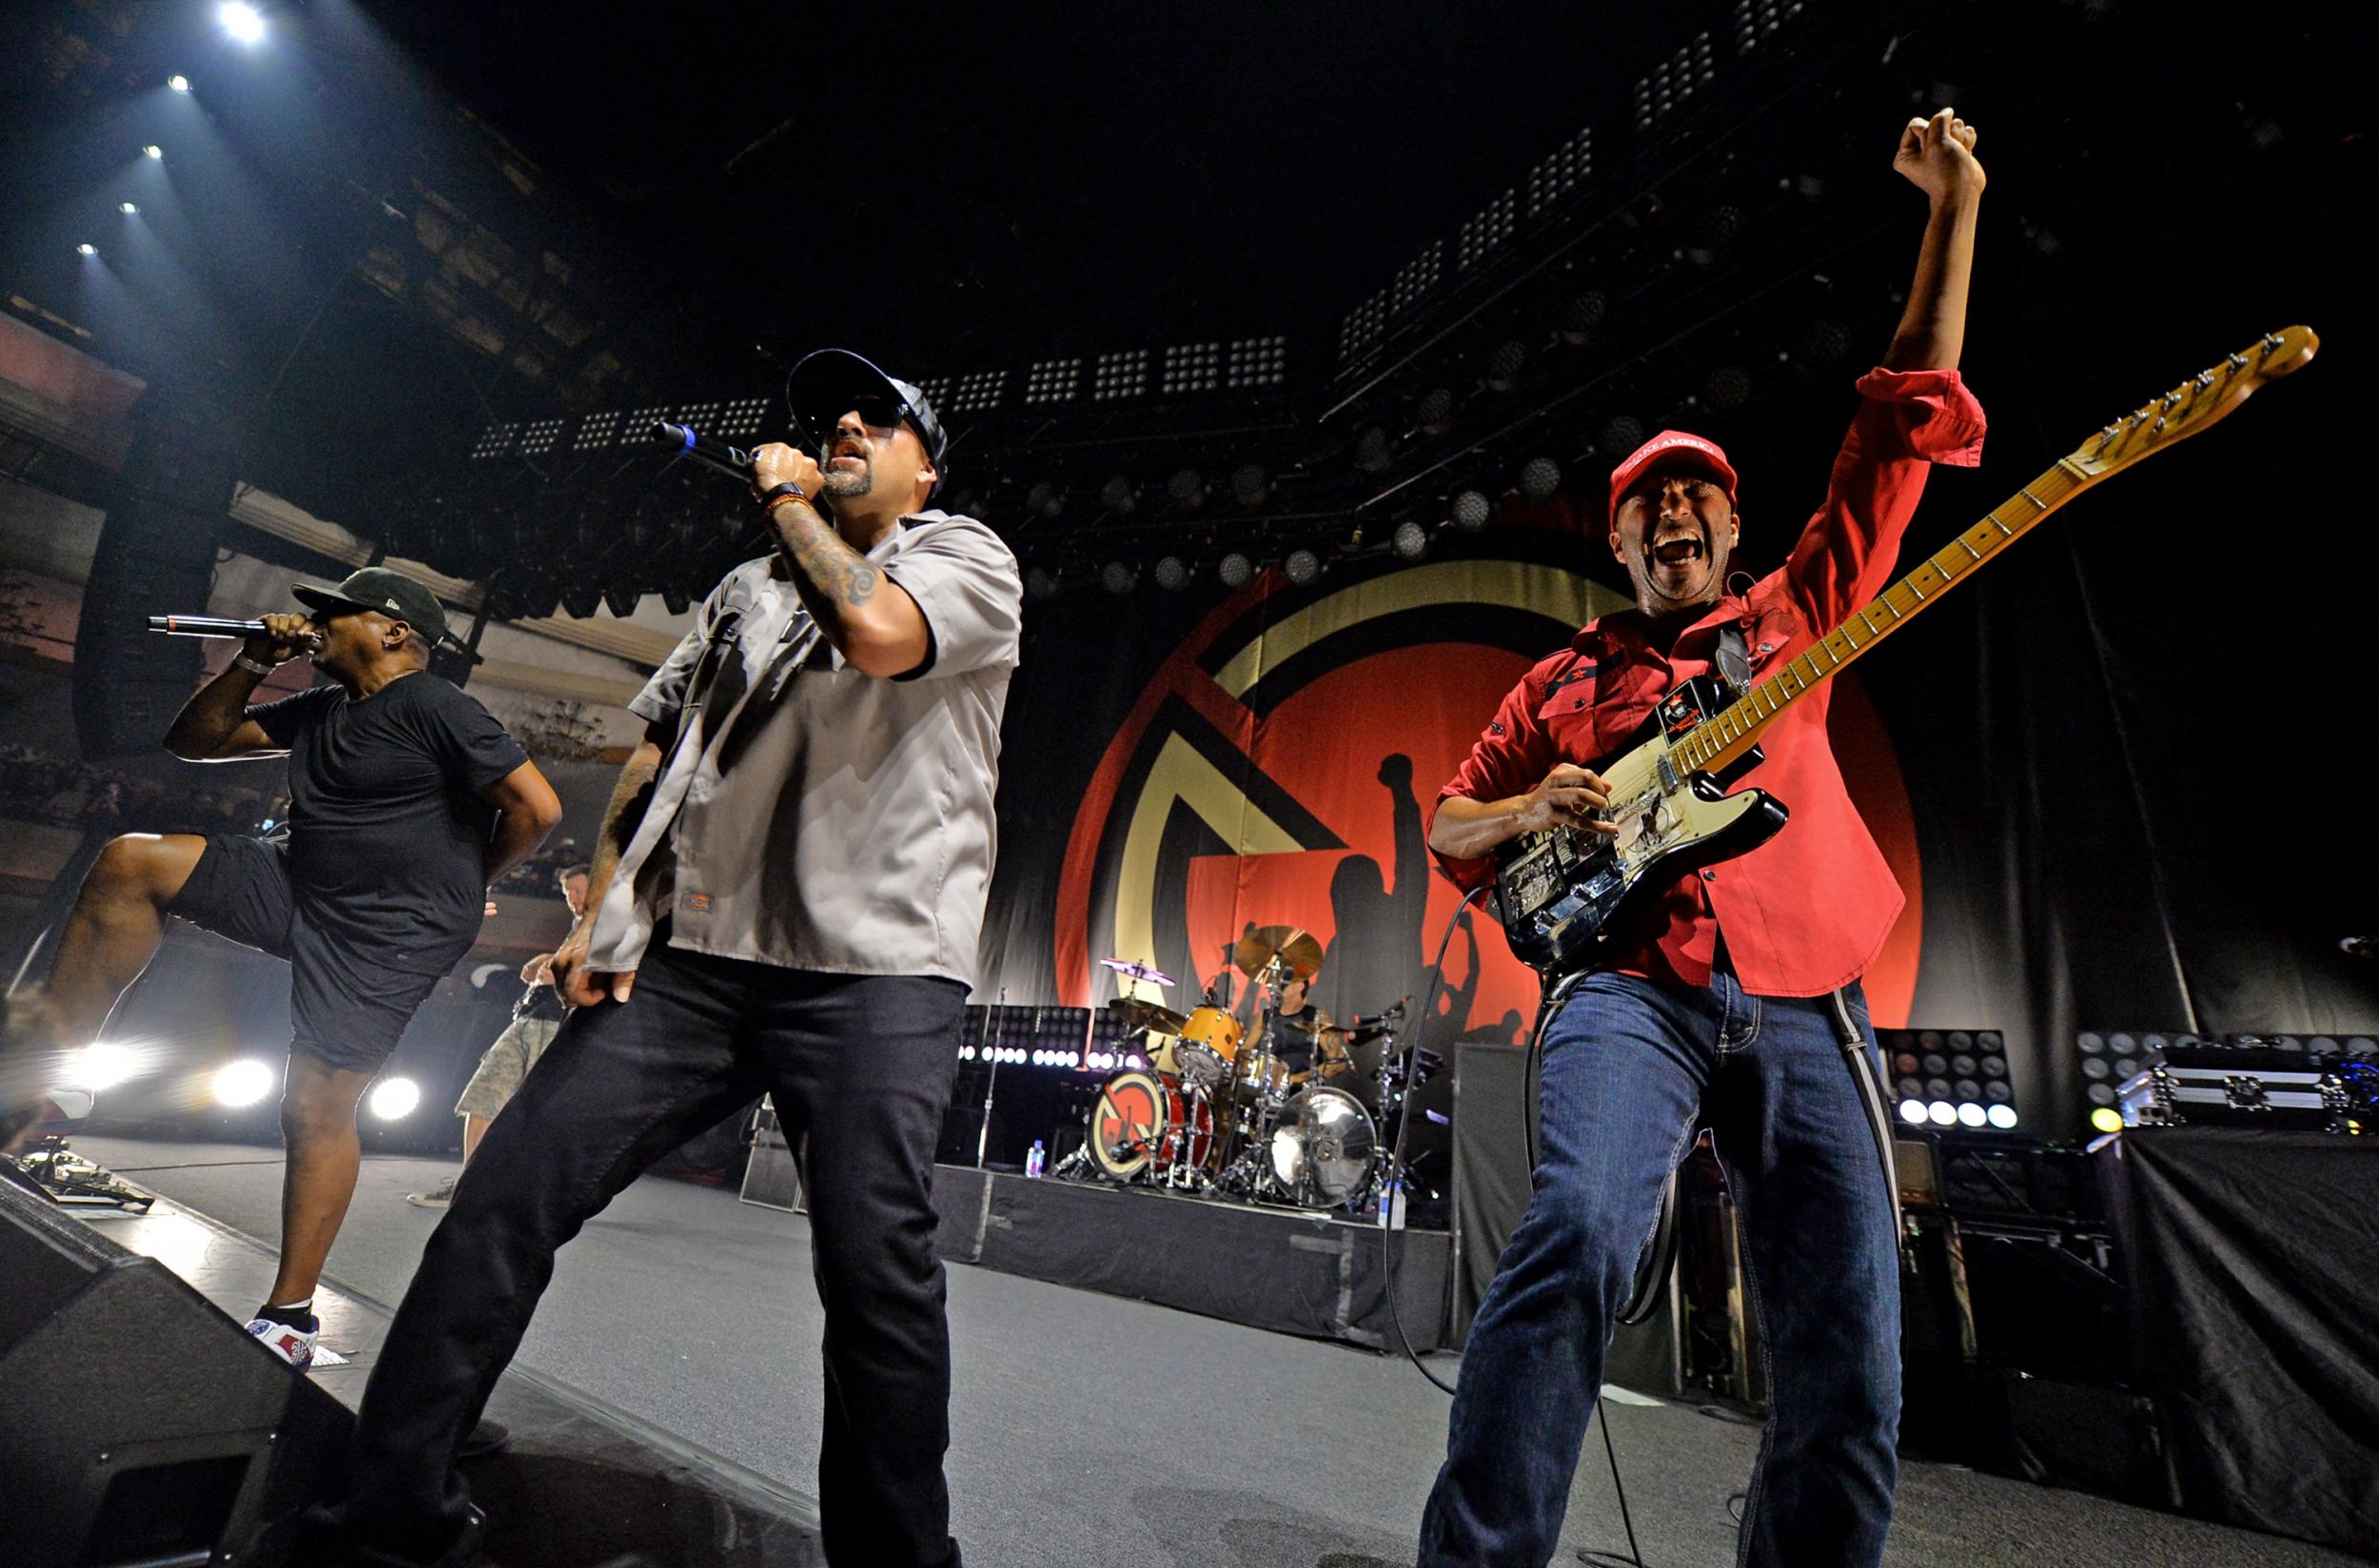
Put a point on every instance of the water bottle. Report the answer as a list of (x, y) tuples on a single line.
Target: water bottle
[(1034, 1158), (1392, 1206)]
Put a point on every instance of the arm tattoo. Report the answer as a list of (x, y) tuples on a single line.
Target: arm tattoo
[(831, 576)]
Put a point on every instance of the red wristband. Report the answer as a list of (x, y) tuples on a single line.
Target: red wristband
[(787, 491)]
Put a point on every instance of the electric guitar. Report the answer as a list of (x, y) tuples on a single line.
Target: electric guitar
[(1560, 893)]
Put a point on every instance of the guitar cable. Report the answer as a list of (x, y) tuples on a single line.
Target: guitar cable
[(1556, 997)]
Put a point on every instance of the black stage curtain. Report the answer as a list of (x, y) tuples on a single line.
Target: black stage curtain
[(2254, 1281)]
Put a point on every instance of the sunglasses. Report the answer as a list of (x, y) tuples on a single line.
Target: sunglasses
[(874, 410)]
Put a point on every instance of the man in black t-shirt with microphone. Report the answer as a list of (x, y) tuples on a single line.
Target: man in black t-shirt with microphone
[(407, 799)]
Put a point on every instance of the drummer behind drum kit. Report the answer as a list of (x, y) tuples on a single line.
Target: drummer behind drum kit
[(1220, 1113)]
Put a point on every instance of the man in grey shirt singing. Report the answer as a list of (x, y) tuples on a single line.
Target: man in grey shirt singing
[(788, 896)]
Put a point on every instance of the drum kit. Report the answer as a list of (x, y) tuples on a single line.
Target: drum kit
[(1219, 1112)]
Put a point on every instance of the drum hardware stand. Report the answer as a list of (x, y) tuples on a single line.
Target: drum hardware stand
[(983, 1135)]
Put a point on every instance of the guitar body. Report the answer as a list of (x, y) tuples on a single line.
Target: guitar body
[(1561, 894)]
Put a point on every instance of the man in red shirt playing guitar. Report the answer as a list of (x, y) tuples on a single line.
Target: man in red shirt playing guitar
[(1715, 1001)]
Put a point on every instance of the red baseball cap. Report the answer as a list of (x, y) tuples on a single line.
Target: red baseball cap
[(1673, 448)]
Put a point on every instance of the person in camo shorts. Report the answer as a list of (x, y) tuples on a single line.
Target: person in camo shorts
[(535, 1018)]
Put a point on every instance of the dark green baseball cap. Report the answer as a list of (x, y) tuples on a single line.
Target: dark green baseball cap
[(393, 593)]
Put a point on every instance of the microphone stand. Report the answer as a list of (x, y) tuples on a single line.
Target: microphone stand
[(983, 1135)]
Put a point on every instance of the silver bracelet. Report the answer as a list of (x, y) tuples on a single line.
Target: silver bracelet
[(246, 663)]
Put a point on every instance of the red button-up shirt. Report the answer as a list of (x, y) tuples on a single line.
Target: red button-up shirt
[(1808, 910)]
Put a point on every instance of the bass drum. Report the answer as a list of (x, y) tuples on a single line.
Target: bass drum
[(1142, 1127), (1322, 1146)]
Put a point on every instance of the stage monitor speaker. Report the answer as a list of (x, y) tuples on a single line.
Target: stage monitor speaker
[(140, 1427)]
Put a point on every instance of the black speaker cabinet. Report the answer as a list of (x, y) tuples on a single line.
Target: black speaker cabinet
[(139, 1426)]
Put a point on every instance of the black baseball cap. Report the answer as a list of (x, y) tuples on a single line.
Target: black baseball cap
[(837, 376), (392, 594)]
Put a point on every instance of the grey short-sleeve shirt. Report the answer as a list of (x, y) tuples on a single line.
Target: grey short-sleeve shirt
[(813, 817)]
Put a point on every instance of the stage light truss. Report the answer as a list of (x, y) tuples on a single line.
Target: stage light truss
[(1257, 362), (1557, 179), (742, 417), (1122, 374), (1416, 278), (1756, 20), (1025, 1036), (495, 441), (1675, 82), (636, 429), (937, 390), (599, 430), (1487, 230), (1053, 381), (701, 416), (978, 391), (1362, 327), (537, 438), (1192, 367)]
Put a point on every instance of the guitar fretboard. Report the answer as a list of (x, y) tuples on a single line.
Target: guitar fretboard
[(1728, 733)]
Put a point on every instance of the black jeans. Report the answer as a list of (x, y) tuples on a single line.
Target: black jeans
[(860, 1066)]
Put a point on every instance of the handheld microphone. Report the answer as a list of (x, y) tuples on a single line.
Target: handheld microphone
[(709, 451), (207, 626)]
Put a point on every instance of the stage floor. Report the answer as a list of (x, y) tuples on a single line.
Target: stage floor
[(1089, 1429)]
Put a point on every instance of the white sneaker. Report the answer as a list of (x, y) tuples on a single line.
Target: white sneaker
[(294, 1345), (436, 1196)]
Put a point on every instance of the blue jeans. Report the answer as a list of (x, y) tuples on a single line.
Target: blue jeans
[(1629, 1065)]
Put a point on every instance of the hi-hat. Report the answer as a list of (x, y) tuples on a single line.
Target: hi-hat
[(1294, 945), (1133, 968), (1147, 1016)]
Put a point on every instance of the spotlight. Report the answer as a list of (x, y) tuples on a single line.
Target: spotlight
[(1942, 1112), (243, 1082), (1471, 511), (1540, 478), (1040, 582), (1187, 487), (102, 1065), (1412, 540), (1250, 484), (2002, 1117), (1235, 569), (1913, 1111), (1303, 566), (1621, 434), (1726, 389), (1582, 314), (127, 209), (242, 21), (675, 599), (1116, 578), (177, 82), (393, 1099), (152, 150), (1372, 452), (1435, 412), (620, 601), (2107, 1119), (1971, 1114), (1118, 496), (87, 248), (1044, 499), (1172, 574)]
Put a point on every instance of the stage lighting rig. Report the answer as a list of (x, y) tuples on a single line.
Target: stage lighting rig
[(152, 151), (1540, 478), (1118, 496), (1505, 364), (128, 209), (394, 1099), (1472, 511), (177, 82), (1118, 577), (245, 1081), (1174, 574), (1250, 484), (1412, 540), (1236, 570), (87, 248), (1186, 489), (1303, 567)]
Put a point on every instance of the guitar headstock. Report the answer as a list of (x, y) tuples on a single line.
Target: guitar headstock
[(2194, 405)]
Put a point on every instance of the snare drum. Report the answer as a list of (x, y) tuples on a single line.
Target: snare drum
[(1209, 1043), (1143, 1125)]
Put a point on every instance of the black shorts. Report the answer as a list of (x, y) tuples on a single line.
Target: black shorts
[(344, 1009)]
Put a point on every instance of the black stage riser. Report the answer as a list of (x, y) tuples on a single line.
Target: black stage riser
[(1290, 1272)]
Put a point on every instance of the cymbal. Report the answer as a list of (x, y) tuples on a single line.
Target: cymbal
[(1147, 1016), (1292, 945), (1133, 968)]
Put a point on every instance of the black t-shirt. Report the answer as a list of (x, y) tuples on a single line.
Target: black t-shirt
[(387, 834)]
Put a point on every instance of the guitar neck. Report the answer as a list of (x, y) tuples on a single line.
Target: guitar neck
[(1724, 736)]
